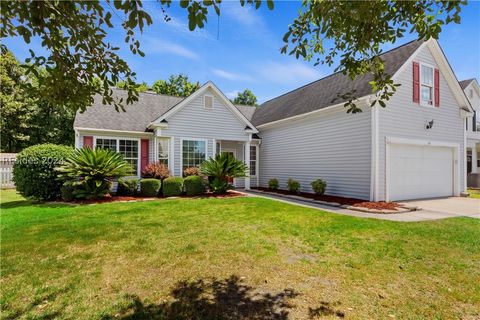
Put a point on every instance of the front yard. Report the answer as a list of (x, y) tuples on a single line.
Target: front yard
[(238, 258)]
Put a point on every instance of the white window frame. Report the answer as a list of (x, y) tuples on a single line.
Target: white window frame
[(169, 151), (432, 87), (205, 101), (181, 150), (255, 160), (118, 148)]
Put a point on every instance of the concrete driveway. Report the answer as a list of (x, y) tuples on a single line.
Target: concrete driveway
[(454, 206)]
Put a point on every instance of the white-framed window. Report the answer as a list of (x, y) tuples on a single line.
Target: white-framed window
[(194, 152), (163, 150), (253, 160), (426, 84), (126, 147), (208, 102)]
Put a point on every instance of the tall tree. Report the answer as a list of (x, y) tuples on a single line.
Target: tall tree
[(74, 35), (140, 87), (246, 98), (176, 85)]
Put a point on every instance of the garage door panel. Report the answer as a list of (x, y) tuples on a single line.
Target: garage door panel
[(420, 172)]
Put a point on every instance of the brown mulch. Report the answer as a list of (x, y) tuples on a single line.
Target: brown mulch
[(381, 205), (109, 198)]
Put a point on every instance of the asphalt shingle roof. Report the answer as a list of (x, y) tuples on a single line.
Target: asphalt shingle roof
[(465, 83), (323, 93)]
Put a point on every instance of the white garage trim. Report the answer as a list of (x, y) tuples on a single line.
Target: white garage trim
[(429, 143)]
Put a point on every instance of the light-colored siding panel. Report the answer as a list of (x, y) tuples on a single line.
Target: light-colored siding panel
[(331, 145), (404, 119)]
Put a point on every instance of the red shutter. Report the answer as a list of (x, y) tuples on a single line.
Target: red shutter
[(416, 82), (436, 84), (144, 153), (88, 141)]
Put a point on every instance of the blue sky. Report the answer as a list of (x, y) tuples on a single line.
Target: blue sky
[(246, 53)]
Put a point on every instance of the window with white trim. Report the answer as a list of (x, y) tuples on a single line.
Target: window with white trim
[(253, 160), (129, 150), (163, 150), (107, 144), (208, 102), (426, 85), (193, 153)]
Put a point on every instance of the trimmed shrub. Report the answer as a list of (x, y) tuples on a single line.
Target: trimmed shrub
[(293, 185), (273, 184), (156, 170), (172, 186), (128, 186), (67, 191), (194, 185), (191, 171), (34, 171), (150, 187), (319, 186)]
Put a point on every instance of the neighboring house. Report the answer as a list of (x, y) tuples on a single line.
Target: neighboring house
[(472, 126), (414, 148)]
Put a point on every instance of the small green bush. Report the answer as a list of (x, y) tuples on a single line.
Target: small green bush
[(67, 191), (273, 184), (150, 187), (172, 186), (34, 171), (128, 186), (194, 185), (293, 185), (319, 186)]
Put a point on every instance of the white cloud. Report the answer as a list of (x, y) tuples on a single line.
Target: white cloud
[(231, 75), (151, 45), (288, 73), (232, 94)]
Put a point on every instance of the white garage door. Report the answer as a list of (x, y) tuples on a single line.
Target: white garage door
[(420, 172)]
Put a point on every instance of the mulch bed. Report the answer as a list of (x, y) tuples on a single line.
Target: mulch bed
[(381, 205), (110, 198)]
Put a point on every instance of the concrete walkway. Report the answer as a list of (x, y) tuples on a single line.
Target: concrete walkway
[(413, 216)]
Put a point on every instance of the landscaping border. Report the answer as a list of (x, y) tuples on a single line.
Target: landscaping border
[(402, 207)]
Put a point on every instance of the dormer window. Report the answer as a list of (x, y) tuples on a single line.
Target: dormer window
[(208, 102), (426, 85)]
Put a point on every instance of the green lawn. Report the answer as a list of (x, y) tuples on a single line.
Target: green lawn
[(237, 258)]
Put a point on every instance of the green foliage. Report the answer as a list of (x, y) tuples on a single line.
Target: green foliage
[(194, 185), (95, 170), (246, 98), (67, 191), (156, 170), (78, 55), (273, 184), (27, 119), (128, 186), (150, 187), (172, 186), (140, 87), (293, 185), (34, 171), (356, 42), (319, 186), (176, 85), (222, 168)]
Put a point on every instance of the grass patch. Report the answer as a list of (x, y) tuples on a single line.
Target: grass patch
[(235, 258), (474, 193)]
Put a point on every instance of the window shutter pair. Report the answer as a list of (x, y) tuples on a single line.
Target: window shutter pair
[(416, 84)]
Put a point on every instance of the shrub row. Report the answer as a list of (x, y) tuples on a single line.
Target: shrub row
[(318, 185), (169, 187)]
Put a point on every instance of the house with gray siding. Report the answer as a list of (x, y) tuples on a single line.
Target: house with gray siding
[(415, 147)]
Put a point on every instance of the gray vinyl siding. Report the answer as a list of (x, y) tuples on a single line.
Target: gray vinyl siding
[(404, 119), (331, 145), (193, 120)]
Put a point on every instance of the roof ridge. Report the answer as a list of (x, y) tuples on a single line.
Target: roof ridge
[(153, 93), (332, 74)]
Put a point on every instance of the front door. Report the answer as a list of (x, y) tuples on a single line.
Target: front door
[(233, 153)]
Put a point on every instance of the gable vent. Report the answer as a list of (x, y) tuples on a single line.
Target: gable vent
[(208, 102)]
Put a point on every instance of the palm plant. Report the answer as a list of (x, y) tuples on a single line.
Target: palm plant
[(93, 170), (222, 168)]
